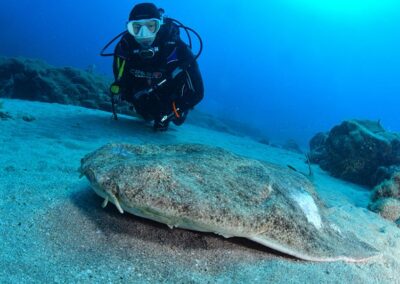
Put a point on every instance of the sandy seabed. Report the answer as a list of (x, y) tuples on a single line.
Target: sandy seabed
[(53, 229)]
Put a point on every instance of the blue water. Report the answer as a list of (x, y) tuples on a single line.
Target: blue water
[(291, 68)]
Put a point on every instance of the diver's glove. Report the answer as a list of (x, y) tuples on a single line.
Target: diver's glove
[(179, 120), (160, 125), (177, 116)]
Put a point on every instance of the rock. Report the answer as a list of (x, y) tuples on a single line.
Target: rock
[(5, 115), (384, 173), (10, 169), (385, 199), (355, 150), (388, 208), (318, 141), (362, 151), (389, 188), (28, 118), (317, 147), (31, 79), (208, 189)]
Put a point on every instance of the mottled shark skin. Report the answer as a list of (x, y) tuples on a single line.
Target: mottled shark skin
[(208, 189)]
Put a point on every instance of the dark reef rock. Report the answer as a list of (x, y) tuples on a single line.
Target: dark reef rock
[(5, 115), (363, 152), (317, 146), (385, 173), (31, 79), (388, 208), (355, 150), (389, 188), (28, 118)]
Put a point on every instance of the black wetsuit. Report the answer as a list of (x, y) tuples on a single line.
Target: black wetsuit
[(173, 61)]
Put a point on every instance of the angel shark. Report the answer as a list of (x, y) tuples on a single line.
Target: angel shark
[(208, 189)]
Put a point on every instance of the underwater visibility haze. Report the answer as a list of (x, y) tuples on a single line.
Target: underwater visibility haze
[(291, 68)]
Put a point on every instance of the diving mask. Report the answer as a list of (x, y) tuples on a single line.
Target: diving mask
[(144, 31)]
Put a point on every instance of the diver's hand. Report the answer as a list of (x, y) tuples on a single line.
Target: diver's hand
[(161, 124)]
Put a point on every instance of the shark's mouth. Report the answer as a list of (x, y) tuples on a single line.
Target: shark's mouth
[(108, 196), (113, 200)]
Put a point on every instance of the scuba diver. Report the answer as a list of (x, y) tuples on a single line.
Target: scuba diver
[(154, 69)]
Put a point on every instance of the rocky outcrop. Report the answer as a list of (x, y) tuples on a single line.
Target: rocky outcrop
[(317, 146), (5, 115), (355, 150), (32, 79), (389, 188), (386, 198), (388, 208), (361, 151)]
